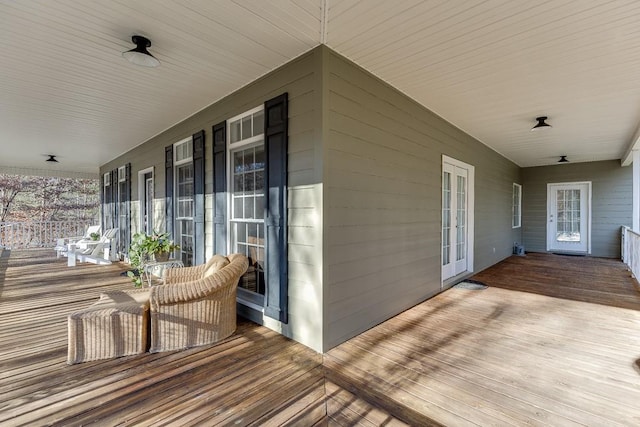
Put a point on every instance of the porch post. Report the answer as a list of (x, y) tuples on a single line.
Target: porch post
[(636, 191)]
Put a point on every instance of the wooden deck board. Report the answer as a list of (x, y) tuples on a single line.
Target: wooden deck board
[(552, 341)]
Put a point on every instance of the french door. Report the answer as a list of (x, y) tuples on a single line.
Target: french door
[(457, 217), (569, 217)]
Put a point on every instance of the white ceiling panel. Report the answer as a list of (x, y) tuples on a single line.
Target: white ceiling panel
[(487, 66)]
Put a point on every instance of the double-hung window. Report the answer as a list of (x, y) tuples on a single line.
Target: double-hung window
[(246, 208), (184, 199)]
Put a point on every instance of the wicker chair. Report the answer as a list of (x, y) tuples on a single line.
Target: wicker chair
[(199, 311)]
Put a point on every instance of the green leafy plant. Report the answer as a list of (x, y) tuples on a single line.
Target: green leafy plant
[(144, 248), (94, 236)]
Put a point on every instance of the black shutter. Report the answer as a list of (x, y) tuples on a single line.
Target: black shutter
[(276, 141), (126, 233), (220, 188), (103, 205), (114, 198), (198, 190), (168, 189)]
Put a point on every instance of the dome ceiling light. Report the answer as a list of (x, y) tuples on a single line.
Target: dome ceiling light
[(541, 124), (140, 55)]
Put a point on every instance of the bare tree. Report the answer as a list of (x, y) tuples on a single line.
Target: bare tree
[(33, 198), (10, 187)]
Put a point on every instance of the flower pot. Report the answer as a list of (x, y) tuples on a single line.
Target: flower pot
[(161, 256)]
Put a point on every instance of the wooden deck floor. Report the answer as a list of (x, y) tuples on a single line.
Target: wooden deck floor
[(256, 377), (513, 354), (506, 355)]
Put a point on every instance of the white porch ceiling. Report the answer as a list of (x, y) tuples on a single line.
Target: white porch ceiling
[(489, 67)]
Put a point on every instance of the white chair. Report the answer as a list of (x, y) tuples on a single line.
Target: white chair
[(62, 244), (97, 252)]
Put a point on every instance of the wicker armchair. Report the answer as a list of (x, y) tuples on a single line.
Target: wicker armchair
[(199, 311)]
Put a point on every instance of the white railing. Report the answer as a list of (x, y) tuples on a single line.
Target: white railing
[(630, 241), (21, 235)]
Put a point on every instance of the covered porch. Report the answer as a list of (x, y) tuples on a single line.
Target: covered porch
[(553, 340)]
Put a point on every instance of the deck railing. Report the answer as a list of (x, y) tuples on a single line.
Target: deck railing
[(630, 241), (38, 234)]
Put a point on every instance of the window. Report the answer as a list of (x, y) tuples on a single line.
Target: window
[(184, 199), (246, 192), (516, 207)]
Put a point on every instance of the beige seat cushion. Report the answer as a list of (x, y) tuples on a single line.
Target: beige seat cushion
[(216, 263), (139, 296)]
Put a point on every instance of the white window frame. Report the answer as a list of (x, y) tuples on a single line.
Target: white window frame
[(106, 179), (142, 191), (176, 164), (122, 174), (517, 190), (231, 148), (254, 300)]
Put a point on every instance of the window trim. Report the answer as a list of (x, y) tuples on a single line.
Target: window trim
[(251, 299), (230, 148), (517, 190), (254, 139), (176, 217), (142, 190)]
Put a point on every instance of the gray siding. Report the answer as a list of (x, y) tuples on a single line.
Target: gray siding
[(611, 202), (382, 191), (301, 78)]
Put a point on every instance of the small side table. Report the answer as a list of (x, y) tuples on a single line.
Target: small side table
[(151, 269)]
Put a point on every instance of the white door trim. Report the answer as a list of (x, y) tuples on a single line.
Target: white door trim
[(141, 194), (470, 211), (588, 213)]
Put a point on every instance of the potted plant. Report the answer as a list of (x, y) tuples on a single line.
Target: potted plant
[(94, 236), (146, 248)]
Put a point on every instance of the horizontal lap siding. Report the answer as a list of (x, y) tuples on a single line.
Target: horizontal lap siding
[(611, 205), (383, 200)]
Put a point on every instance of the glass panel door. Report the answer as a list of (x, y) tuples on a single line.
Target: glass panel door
[(446, 218), (456, 206), (568, 221)]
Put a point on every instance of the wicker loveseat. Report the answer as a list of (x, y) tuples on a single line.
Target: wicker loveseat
[(196, 306)]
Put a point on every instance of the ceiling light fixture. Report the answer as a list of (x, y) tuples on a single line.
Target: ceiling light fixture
[(52, 158), (140, 55), (563, 159), (541, 124)]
